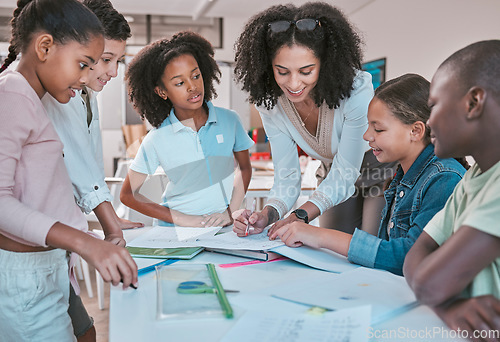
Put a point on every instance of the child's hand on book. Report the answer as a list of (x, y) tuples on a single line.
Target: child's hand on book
[(218, 220), (296, 234), (184, 220)]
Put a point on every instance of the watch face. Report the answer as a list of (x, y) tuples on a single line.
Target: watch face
[(302, 215)]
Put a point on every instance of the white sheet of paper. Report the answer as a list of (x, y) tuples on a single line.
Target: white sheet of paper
[(173, 237), (230, 240), (323, 259), (345, 325), (387, 293)]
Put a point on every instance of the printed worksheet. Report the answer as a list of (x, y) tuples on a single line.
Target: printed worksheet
[(230, 240), (339, 326), (388, 294), (173, 237), (323, 259)]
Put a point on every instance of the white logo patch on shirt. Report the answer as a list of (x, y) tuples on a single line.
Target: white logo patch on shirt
[(220, 138)]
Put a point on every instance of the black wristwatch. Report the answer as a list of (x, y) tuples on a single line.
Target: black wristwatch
[(301, 215)]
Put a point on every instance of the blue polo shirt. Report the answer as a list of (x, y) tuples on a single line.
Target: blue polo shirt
[(199, 165)]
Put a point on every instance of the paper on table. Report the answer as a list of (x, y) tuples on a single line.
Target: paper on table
[(346, 325), (230, 240), (384, 291), (173, 237), (322, 259)]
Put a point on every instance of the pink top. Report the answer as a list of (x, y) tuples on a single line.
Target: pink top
[(35, 189)]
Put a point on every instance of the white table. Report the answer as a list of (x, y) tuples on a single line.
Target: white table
[(133, 312)]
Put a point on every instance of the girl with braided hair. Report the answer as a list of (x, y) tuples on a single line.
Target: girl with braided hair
[(39, 220)]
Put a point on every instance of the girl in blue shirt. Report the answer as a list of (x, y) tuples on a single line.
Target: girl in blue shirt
[(195, 143), (397, 131)]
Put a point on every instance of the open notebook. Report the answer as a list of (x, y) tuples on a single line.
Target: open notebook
[(164, 253)]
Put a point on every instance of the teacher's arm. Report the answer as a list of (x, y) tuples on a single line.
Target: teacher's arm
[(287, 177), (338, 185)]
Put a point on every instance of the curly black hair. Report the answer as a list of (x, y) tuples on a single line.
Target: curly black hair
[(334, 42), (115, 25), (146, 69)]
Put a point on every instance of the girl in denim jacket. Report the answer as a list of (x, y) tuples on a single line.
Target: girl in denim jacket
[(397, 131)]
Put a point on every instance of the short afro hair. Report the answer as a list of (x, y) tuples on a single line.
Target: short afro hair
[(477, 64)]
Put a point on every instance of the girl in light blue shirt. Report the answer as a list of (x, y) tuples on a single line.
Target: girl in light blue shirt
[(195, 143)]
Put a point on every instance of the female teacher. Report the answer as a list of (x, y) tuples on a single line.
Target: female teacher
[(302, 69)]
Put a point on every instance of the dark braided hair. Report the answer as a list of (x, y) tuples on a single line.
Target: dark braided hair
[(115, 25), (406, 97), (146, 70), (334, 42), (64, 20)]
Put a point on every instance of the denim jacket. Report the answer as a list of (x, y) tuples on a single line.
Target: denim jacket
[(419, 195)]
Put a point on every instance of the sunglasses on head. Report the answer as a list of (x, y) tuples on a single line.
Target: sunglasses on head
[(301, 25)]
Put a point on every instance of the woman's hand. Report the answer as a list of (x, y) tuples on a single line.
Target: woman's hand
[(473, 314), (298, 233), (257, 220)]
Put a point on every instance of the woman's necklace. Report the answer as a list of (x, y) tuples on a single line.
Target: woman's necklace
[(303, 123)]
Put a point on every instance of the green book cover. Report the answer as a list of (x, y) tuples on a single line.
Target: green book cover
[(164, 253)]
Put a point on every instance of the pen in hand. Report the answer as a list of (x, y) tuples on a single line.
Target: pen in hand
[(254, 202), (131, 285)]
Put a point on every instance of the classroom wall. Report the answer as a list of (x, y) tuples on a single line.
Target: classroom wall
[(416, 36)]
